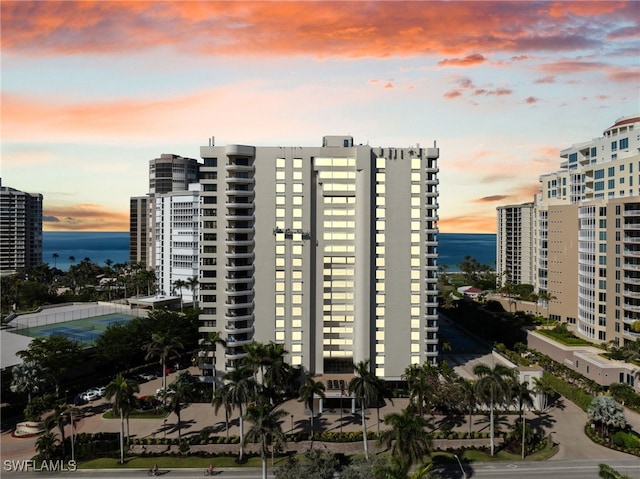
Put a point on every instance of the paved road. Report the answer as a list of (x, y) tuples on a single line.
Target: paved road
[(520, 470)]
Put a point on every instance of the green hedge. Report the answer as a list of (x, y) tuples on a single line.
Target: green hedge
[(573, 393)]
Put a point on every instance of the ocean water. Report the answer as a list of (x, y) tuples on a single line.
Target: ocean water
[(453, 248), (99, 247)]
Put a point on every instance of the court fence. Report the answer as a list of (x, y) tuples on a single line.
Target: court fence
[(65, 313)]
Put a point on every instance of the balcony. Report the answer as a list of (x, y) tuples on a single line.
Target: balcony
[(233, 328), (235, 316), (631, 307)]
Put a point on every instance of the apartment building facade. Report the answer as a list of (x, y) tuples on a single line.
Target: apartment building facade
[(138, 229), (20, 229), (167, 173), (587, 235), (330, 251), (515, 244), (177, 216)]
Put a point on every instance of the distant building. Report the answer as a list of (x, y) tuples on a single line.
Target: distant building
[(20, 229), (138, 229), (587, 236), (177, 216), (515, 244), (167, 174)]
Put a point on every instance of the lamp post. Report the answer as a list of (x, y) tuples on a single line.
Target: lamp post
[(464, 474), (292, 424)]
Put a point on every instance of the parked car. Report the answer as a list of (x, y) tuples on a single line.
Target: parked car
[(90, 395), (99, 390), (79, 400), (146, 377), (161, 391)]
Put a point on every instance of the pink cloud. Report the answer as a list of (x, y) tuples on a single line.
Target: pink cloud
[(548, 79), (530, 100), (469, 60)]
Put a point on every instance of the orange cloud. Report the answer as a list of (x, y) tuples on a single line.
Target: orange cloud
[(324, 29), (84, 217), (463, 224)]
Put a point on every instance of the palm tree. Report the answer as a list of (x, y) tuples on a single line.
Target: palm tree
[(163, 348), (266, 430), (222, 398), (55, 259), (192, 284), (469, 399), (242, 389), (363, 386), (213, 339), (276, 372), (308, 391), (604, 410), (179, 284), (182, 393), (257, 358), (57, 419), (492, 387), (522, 397), (544, 389), (46, 445), (407, 438), (122, 391), (27, 377), (418, 386)]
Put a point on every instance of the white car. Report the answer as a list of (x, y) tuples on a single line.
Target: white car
[(147, 376), (98, 390), (162, 392), (90, 395)]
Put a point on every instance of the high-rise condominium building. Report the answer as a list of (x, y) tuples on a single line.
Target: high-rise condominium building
[(20, 229), (515, 244), (138, 212), (330, 251), (176, 242), (587, 235), (168, 173)]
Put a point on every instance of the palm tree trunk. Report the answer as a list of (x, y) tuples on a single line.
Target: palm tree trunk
[(364, 435), (491, 425), (264, 457), (523, 430), (226, 420), (121, 437), (241, 435)]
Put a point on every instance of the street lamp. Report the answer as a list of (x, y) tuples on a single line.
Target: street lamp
[(292, 424), (464, 474)]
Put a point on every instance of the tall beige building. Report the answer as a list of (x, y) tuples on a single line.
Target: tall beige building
[(515, 244), (330, 250), (587, 235)]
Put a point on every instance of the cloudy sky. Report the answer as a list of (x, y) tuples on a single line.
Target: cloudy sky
[(91, 91)]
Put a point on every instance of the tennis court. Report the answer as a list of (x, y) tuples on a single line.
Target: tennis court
[(84, 331)]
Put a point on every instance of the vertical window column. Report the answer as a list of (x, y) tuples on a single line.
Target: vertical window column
[(380, 267)]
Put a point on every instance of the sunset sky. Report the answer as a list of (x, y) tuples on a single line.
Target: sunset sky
[(91, 91)]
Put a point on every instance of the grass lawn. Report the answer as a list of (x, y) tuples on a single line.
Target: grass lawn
[(194, 462), (172, 462)]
